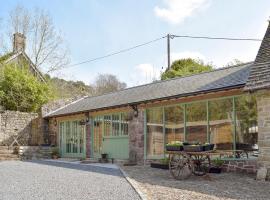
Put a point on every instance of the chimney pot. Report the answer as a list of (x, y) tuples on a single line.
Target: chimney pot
[(18, 42)]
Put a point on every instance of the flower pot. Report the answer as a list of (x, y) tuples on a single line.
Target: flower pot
[(216, 170), (208, 147), (174, 148), (54, 156), (104, 155), (190, 148), (159, 165)]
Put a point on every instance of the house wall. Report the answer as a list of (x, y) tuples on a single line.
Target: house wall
[(263, 105), (136, 124)]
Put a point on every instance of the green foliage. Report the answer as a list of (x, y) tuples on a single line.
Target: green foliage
[(217, 162), (164, 161), (67, 89), (184, 67), (22, 91)]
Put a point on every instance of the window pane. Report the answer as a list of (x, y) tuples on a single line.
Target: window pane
[(97, 134), (155, 145), (115, 124), (174, 124), (107, 125), (124, 124), (196, 114), (246, 123), (221, 123)]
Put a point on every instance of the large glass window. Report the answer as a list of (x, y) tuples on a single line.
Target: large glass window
[(196, 124), (221, 123), (155, 138), (246, 122), (174, 124)]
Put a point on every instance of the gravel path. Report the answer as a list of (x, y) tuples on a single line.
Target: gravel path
[(158, 184), (54, 180)]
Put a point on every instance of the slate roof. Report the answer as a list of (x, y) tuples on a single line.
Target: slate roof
[(260, 72), (216, 80)]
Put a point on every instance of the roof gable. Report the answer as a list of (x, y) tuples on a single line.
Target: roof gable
[(9, 57), (259, 77)]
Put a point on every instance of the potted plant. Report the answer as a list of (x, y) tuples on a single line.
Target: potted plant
[(193, 147), (161, 164), (55, 153), (174, 146), (216, 166), (208, 147)]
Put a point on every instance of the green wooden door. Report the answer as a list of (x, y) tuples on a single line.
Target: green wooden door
[(72, 139), (110, 135)]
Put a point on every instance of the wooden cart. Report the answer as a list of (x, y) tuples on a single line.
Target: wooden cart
[(182, 164)]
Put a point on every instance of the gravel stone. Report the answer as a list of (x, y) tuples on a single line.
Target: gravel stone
[(159, 184), (56, 180)]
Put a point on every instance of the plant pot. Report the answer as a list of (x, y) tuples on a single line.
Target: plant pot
[(208, 147), (159, 165), (104, 155), (54, 156), (174, 148), (216, 170), (190, 148)]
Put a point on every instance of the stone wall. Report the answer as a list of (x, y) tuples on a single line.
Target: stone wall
[(242, 166), (263, 107), (136, 137), (25, 127)]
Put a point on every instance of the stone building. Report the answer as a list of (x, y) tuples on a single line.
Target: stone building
[(136, 123), (19, 57)]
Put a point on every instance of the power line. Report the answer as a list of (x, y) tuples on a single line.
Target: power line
[(215, 38), (171, 36), (117, 52)]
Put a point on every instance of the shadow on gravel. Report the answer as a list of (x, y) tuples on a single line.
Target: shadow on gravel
[(82, 167)]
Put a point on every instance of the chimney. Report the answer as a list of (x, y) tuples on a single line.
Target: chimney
[(18, 42)]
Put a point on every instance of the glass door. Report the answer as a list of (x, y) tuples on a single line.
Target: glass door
[(72, 139)]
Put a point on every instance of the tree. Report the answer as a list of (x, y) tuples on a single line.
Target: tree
[(185, 67), (106, 83), (45, 44), (20, 90)]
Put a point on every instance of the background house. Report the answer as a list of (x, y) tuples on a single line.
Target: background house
[(19, 57)]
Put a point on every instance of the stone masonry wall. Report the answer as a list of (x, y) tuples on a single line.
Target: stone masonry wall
[(136, 137), (242, 166), (263, 106), (24, 125)]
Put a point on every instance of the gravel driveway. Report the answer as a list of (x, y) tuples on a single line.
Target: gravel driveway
[(56, 180), (158, 184)]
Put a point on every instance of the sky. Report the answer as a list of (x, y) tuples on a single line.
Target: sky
[(94, 28)]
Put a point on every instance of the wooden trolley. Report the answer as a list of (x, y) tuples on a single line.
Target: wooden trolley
[(182, 163)]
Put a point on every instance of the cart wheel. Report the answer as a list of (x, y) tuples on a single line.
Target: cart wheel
[(201, 165), (180, 166)]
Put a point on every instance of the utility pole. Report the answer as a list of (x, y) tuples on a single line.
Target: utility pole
[(168, 51)]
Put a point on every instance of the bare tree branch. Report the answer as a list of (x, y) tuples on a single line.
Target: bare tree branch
[(45, 45)]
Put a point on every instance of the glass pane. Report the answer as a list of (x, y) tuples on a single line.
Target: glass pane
[(107, 125), (246, 123), (155, 143), (221, 123), (174, 124), (124, 124), (74, 134), (196, 114), (68, 138), (97, 134), (115, 124)]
